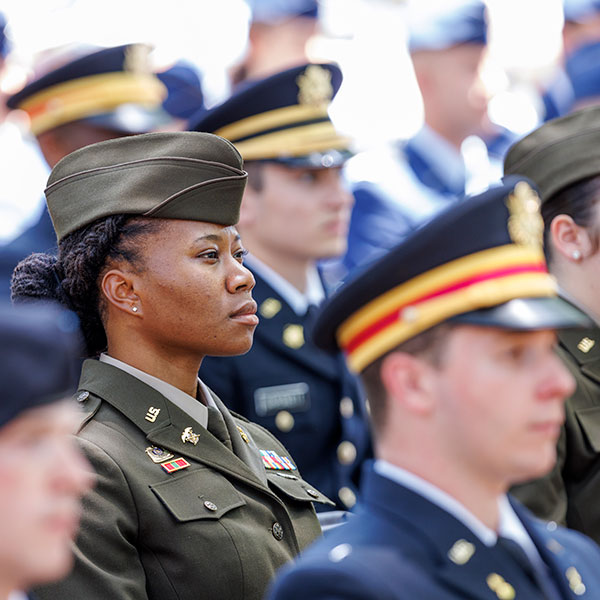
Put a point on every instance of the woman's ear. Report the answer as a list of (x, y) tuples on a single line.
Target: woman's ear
[(118, 287), (406, 379), (570, 240)]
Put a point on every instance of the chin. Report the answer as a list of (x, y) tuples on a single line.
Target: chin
[(47, 569)]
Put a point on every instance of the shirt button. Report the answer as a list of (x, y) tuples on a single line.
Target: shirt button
[(210, 505), (346, 407), (346, 453), (284, 421), (277, 531), (347, 496)]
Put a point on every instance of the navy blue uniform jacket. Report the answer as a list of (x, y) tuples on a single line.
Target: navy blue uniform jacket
[(397, 547), (319, 393)]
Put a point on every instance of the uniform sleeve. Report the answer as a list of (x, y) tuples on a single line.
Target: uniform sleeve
[(547, 497), (107, 563)]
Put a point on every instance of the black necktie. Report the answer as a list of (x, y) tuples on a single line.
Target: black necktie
[(541, 580), (216, 425)]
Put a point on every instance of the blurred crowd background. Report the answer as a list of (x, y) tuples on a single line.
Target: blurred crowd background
[(379, 99)]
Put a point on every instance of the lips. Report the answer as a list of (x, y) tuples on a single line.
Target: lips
[(246, 314)]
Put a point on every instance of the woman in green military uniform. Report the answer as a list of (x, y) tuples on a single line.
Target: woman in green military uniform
[(562, 158), (191, 500)]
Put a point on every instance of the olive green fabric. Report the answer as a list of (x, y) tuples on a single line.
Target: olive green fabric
[(147, 534), (559, 153), (173, 175), (570, 494)]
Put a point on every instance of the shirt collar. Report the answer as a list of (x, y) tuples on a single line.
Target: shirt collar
[(298, 301), (185, 402)]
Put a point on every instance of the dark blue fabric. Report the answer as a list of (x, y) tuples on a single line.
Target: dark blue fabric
[(396, 548), (38, 238), (317, 430)]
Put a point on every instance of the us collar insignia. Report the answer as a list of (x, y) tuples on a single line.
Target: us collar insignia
[(175, 465), (314, 86), (461, 552), (157, 454), (273, 461), (586, 344), (187, 435), (293, 336), (525, 223)]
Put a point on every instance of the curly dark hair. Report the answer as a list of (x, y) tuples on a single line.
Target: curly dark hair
[(73, 278)]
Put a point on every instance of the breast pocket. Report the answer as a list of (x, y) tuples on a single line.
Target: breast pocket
[(293, 487), (199, 494)]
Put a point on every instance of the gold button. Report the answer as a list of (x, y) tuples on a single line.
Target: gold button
[(210, 505), (347, 496), (293, 336), (277, 531), (284, 421), (346, 407), (346, 453), (269, 308)]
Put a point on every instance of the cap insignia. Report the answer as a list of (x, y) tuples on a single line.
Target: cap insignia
[(137, 59), (525, 223), (314, 86)]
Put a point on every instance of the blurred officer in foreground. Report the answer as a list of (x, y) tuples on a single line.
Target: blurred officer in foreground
[(562, 158), (42, 473), (453, 332), (295, 211), (107, 94), (401, 185)]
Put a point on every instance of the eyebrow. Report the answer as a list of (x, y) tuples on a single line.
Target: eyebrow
[(213, 237)]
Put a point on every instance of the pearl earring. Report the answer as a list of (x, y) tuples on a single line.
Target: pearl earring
[(134, 308), (576, 255)]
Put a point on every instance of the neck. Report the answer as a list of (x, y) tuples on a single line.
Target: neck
[(582, 291), (478, 497), (180, 371), (292, 268), (442, 129)]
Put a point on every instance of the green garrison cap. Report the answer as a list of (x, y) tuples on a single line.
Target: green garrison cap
[(173, 175), (559, 153)]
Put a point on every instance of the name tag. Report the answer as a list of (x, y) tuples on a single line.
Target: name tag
[(293, 397)]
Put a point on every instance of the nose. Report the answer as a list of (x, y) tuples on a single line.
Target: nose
[(557, 381), (337, 193), (74, 474), (239, 278)]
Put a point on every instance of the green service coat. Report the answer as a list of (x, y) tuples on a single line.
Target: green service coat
[(219, 528), (570, 493)]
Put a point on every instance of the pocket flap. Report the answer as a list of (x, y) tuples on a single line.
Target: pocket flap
[(199, 494), (296, 488), (589, 419)]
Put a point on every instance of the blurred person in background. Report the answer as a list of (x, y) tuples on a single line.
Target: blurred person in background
[(453, 333), (103, 94), (562, 157), (42, 472), (295, 212), (278, 34), (191, 500), (400, 186)]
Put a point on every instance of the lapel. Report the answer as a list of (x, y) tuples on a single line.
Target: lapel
[(449, 549), (272, 329), (584, 347), (560, 560), (134, 399)]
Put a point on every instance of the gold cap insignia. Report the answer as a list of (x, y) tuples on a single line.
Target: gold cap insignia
[(575, 582), (187, 435), (269, 308), (293, 336), (498, 584), (137, 59), (586, 344), (461, 552), (525, 223), (314, 86)]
